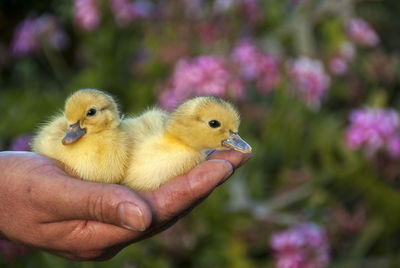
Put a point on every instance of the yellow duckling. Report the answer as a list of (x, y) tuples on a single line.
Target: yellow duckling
[(89, 138), (165, 146)]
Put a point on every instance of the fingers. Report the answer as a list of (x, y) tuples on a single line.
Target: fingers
[(63, 198), (78, 217), (235, 158), (181, 193), (110, 204), (167, 204), (86, 240)]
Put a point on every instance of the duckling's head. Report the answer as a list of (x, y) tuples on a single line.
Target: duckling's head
[(207, 123), (89, 111)]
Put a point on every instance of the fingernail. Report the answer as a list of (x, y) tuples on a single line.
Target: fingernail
[(131, 217), (228, 168)]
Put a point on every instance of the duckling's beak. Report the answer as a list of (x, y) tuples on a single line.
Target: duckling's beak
[(237, 143), (74, 133)]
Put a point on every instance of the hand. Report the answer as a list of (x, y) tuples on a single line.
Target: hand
[(44, 207)]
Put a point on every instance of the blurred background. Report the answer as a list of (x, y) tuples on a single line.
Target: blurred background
[(317, 83)]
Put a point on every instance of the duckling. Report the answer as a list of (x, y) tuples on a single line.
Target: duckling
[(169, 145), (89, 138)]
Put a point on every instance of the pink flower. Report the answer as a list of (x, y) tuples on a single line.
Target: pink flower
[(338, 65), (362, 33), (204, 75), (254, 65), (34, 33), (252, 9), (170, 98), (347, 51), (142, 9), (87, 14), (49, 31), (310, 80), (304, 245), (125, 12), (269, 78), (246, 55), (21, 143), (393, 146), (374, 129), (25, 40)]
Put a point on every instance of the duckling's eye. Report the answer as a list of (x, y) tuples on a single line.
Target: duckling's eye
[(91, 112), (214, 124)]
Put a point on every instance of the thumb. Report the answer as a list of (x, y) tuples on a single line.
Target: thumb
[(65, 198)]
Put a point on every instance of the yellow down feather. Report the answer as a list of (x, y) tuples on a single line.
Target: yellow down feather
[(167, 145), (100, 153)]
